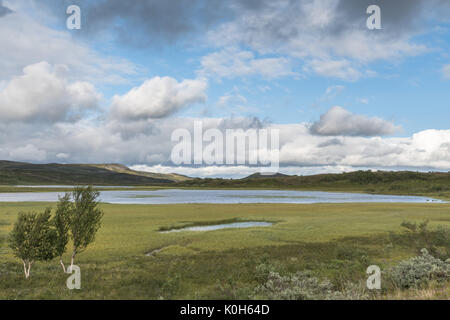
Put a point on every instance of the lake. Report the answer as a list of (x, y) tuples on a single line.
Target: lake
[(174, 196)]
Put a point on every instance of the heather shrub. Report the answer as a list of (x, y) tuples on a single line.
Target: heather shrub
[(263, 271), (298, 286), (419, 271), (304, 286)]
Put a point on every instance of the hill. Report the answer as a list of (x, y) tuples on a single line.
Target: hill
[(120, 168), (21, 173), (388, 182)]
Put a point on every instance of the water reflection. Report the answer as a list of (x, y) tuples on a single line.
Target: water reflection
[(174, 196)]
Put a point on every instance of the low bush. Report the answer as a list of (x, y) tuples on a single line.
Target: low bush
[(304, 286), (419, 271)]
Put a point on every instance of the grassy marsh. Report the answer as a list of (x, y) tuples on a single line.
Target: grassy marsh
[(337, 241)]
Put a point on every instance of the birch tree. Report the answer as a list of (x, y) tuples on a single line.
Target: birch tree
[(61, 223), (32, 239), (85, 218)]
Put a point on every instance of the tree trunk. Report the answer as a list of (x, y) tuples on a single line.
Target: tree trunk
[(72, 259), (29, 267), (25, 269), (62, 265)]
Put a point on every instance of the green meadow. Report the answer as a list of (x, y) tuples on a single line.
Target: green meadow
[(132, 259)]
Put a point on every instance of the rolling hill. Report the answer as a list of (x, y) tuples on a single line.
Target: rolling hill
[(388, 182), (21, 173)]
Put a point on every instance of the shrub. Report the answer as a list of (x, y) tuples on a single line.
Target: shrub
[(419, 271), (304, 286), (263, 271), (298, 286)]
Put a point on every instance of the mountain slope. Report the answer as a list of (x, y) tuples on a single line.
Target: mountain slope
[(20, 173), (120, 168)]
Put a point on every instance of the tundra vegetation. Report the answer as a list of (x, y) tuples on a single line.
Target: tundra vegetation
[(317, 251)]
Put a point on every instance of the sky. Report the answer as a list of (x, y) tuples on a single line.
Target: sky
[(343, 97)]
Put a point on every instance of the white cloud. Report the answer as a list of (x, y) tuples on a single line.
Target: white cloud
[(446, 71), (231, 63), (228, 99), (147, 142), (236, 171), (25, 41), (363, 100), (43, 93), (332, 92), (341, 69), (337, 121), (28, 153), (158, 98), (329, 37)]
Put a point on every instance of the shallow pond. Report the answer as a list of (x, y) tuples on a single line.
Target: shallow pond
[(174, 196), (248, 224)]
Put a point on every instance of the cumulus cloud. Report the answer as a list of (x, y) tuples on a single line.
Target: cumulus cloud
[(230, 63), (339, 122), (300, 150), (158, 97), (43, 93)]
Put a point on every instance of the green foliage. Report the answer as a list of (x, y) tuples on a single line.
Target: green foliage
[(40, 237), (61, 222), (85, 217), (32, 238), (417, 272)]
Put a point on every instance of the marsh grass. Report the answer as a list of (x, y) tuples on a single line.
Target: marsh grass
[(335, 242)]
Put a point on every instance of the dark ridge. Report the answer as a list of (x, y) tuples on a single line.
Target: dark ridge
[(20, 173)]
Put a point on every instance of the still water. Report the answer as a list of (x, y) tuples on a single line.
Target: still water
[(249, 224), (174, 196)]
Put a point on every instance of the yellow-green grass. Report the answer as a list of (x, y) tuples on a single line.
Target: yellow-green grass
[(334, 240)]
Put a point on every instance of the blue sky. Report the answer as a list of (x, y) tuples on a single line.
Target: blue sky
[(105, 93)]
